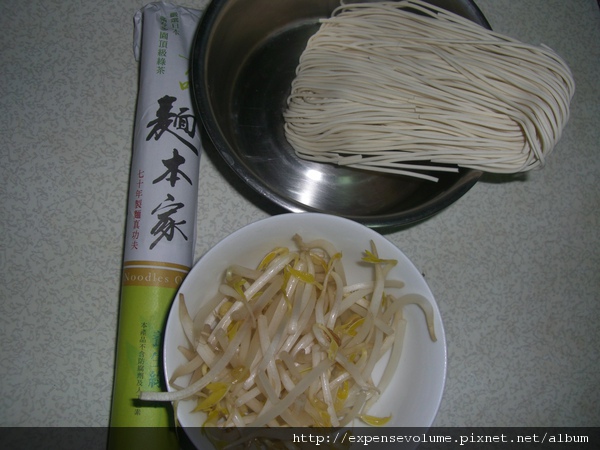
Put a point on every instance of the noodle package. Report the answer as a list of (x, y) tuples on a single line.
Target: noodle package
[(161, 220)]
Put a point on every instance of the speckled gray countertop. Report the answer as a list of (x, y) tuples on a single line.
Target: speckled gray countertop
[(514, 264)]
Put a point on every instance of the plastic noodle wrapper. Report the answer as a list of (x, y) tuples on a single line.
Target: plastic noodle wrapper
[(161, 222)]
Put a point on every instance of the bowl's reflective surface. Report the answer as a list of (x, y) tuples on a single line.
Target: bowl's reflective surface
[(243, 62)]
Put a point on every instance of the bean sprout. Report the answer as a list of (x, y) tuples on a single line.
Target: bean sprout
[(290, 343)]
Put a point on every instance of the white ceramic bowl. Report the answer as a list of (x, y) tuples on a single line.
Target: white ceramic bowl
[(414, 395)]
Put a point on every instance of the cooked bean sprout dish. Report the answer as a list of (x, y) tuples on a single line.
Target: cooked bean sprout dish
[(292, 343)]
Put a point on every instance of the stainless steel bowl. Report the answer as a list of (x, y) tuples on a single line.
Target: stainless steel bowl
[(243, 61)]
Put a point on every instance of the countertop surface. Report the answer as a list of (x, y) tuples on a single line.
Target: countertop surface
[(514, 264)]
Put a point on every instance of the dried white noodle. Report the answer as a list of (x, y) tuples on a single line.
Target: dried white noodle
[(405, 86)]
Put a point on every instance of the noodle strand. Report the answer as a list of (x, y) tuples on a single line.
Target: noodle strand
[(383, 85)]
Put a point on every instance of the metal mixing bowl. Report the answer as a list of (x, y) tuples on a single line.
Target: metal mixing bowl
[(244, 59)]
